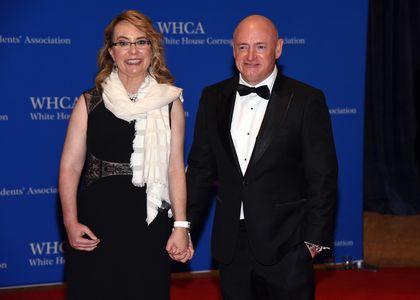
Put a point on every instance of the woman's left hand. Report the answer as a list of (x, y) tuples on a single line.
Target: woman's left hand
[(179, 245)]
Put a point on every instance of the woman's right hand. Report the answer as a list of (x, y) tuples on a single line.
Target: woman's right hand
[(81, 238)]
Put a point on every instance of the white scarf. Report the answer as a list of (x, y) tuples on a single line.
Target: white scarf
[(150, 158)]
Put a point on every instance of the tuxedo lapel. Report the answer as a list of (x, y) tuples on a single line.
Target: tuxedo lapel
[(225, 105), (278, 105)]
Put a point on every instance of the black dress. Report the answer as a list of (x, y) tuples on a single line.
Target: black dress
[(130, 262)]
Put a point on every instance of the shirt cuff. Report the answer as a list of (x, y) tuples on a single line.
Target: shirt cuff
[(315, 247)]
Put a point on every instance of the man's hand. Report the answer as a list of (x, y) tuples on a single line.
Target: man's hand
[(179, 245)]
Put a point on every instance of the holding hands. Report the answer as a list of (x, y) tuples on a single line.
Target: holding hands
[(179, 245)]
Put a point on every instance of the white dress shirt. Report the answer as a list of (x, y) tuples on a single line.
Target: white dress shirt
[(247, 117)]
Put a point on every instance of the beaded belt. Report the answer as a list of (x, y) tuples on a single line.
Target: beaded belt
[(97, 168)]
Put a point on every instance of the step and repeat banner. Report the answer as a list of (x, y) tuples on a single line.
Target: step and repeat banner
[(48, 52)]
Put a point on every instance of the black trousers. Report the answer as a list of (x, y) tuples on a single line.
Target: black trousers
[(292, 278)]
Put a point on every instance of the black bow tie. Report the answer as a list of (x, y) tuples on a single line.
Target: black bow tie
[(262, 91)]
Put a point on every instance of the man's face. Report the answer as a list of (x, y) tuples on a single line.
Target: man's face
[(256, 48)]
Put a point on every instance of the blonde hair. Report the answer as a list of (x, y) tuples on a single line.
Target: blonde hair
[(157, 68)]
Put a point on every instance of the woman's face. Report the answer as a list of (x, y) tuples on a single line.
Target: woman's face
[(132, 58)]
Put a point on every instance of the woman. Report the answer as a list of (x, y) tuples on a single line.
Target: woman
[(127, 135)]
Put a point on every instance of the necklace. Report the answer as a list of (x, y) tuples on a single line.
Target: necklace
[(141, 91), (132, 97)]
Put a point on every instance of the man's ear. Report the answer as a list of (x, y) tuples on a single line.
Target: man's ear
[(279, 48)]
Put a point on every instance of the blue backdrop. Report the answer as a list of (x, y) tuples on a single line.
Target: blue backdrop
[(48, 55)]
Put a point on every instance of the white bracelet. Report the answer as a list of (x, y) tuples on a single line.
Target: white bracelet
[(183, 224)]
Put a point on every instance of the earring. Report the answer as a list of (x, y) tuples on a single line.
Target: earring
[(150, 70), (115, 68)]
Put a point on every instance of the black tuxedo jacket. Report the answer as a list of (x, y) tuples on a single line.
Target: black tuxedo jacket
[(290, 186)]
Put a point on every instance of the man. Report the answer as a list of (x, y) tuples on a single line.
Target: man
[(269, 152)]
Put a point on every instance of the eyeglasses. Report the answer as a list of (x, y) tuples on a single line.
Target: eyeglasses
[(125, 45)]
